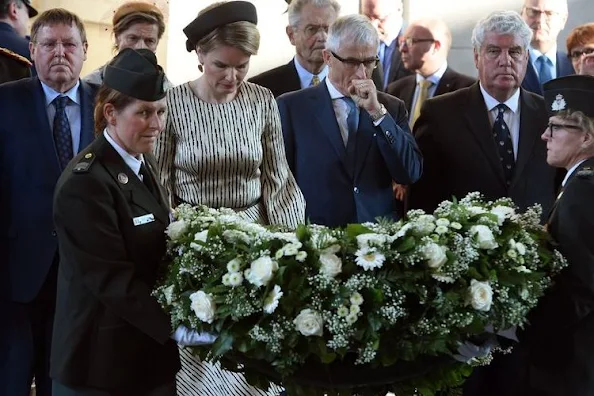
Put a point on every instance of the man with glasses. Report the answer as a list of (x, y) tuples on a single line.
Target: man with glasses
[(386, 16), (307, 30), (486, 138), (46, 120), (14, 17), (345, 142), (546, 18)]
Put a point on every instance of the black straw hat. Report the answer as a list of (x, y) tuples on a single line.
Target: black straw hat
[(136, 73), (575, 92), (224, 14)]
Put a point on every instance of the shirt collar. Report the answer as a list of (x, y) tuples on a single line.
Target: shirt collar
[(570, 171), (435, 77), (512, 103), (305, 76), (51, 94), (132, 162), (535, 54), (334, 93)]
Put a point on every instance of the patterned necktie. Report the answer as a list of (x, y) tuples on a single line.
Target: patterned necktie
[(315, 80), (544, 71), (62, 134), (149, 182), (352, 120), (424, 86), (503, 140)]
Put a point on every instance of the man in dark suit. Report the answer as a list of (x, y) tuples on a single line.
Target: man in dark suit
[(307, 30), (486, 138), (424, 47), (13, 66), (14, 19), (387, 17), (546, 18), (345, 142), (45, 121)]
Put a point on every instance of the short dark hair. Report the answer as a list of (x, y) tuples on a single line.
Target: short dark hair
[(57, 16), (4, 4), (107, 95)]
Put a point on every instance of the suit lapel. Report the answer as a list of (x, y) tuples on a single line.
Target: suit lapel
[(445, 82), (42, 126), (478, 122), (531, 82), (564, 66), (589, 162), (408, 92), (86, 115), (528, 134), (133, 188), (292, 77)]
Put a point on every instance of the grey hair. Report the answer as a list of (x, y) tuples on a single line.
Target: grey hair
[(296, 7), (355, 29), (502, 22)]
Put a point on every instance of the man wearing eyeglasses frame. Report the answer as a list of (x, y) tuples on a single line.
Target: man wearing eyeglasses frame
[(546, 18), (345, 142), (309, 21)]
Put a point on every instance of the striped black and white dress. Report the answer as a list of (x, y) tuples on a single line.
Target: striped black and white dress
[(227, 155)]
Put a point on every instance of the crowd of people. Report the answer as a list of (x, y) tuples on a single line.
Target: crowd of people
[(366, 121)]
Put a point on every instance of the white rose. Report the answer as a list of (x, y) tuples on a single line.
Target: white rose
[(309, 323), (203, 306), (402, 231), (502, 213), (480, 295), (521, 248), (201, 236), (476, 210), (271, 301), (177, 229), (331, 265), (332, 249), (434, 254), (456, 226), (484, 237), (442, 222), (371, 240), (261, 271)]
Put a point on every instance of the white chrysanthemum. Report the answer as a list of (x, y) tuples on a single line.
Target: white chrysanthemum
[(301, 256), (331, 265), (272, 300), (356, 298), (351, 318), (355, 309), (371, 240), (441, 230), (342, 311), (442, 222), (369, 259), (226, 279), (177, 229), (512, 254), (455, 225), (235, 279), (234, 265)]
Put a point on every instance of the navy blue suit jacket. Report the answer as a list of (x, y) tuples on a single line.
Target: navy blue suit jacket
[(14, 42), (29, 171), (531, 83), (338, 192)]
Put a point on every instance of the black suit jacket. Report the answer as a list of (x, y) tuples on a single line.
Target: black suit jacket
[(531, 82), (397, 70), (109, 332), (455, 136), (449, 82), (560, 338), (279, 80)]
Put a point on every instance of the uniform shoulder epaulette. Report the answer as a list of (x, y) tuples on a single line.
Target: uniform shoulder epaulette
[(585, 172), (15, 56), (84, 164)]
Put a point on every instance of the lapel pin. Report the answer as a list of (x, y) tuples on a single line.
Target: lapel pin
[(88, 155), (122, 178)]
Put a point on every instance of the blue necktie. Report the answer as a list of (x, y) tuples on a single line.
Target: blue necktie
[(62, 134), (352, 124), (505, 147), (544, 71)]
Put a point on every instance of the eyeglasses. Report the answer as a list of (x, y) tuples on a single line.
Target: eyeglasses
[(50, 46), (553, 127), (532, 12), (312, 30), (354, 63), (410, 41), (577, 54)]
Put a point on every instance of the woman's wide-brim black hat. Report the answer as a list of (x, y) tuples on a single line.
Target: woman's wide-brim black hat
[(224, 14), (135, 73), (575, 93)]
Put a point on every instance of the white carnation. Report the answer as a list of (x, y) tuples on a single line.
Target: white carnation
[(480, 295), (483, 236), (177, 229), (203, 306), (331, 265), (272, 300), (309, 323)]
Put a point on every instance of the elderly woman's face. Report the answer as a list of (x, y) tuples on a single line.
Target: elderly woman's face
[(225, 68), (565, 142), (139, 35), (136, 127)]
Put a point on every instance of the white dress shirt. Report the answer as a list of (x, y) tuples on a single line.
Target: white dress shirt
[(341, 110), (305, 76), (130, 160), (570, 171), (72, 111), (511, 115), (435, 78)]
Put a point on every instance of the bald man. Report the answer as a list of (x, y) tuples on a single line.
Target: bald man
[(546, 19), (387, 17), (424, 48)]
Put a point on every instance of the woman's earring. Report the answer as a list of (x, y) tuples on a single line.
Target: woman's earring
[(201, 68)]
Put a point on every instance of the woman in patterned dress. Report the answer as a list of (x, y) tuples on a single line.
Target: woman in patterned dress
[(223, 147)]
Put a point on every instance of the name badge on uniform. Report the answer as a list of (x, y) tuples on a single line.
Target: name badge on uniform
[(140, 220)]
